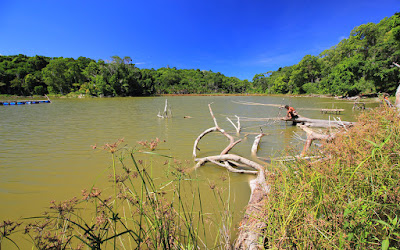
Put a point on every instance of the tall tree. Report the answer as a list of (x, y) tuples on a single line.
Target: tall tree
[(57, 77)]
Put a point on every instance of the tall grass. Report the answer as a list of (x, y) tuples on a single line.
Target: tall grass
[(348, 200), (136, 212)]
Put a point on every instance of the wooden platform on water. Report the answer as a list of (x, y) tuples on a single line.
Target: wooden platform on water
[(331, 111)]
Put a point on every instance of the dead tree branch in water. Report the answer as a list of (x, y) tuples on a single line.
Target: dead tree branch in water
[(251, 229), (252, 225), (216, 128), (311, 136), (238, 128), (167, 111)]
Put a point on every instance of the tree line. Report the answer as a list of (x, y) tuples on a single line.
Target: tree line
[(24, 75), (361, 63)]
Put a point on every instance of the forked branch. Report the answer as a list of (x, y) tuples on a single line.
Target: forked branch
[(232, 141), (311, 136), (237, 127)]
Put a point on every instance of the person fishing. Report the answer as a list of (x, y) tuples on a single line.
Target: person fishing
[(291, 112), (387, 101)]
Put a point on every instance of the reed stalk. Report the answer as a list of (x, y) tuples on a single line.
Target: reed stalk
[(137, 214)]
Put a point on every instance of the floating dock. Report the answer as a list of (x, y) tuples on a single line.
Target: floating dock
[(23, 102), (331, 111)]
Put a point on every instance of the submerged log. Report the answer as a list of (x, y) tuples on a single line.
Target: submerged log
[(252, 226)]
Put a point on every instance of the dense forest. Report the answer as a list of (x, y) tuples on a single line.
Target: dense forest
[(23, 75), (362, 63)]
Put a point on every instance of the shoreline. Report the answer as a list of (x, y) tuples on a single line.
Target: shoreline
[(158, 95), (5, 97)]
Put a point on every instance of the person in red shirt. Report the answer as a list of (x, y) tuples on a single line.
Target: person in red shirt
[(291, 112), (387, 101)]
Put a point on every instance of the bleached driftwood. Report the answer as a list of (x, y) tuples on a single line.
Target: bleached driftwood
[(254, 148), (252, 226), (232, 141), (302, 120), (311, 136), (238, 128), (217, 159), (167, 113)]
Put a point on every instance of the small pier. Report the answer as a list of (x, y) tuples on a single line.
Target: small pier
[(332, 111), (23, 102)]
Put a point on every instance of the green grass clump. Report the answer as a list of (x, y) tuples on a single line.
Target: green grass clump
[(348, 200)]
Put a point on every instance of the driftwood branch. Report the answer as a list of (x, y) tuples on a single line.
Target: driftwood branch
[(311, 136), (196, 142), (304, 121), (167, 113), (232, 141), (237, 127), (252, 225), (229, 147), (213, 116), (254, 148), (229, 157)]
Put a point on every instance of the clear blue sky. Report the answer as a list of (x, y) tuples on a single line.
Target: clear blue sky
[(236, 38)]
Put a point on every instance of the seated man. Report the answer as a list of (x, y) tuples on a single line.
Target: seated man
[(291, 112), (387, 101)]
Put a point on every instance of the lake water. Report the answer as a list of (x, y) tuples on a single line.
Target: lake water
[(46, 149)]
